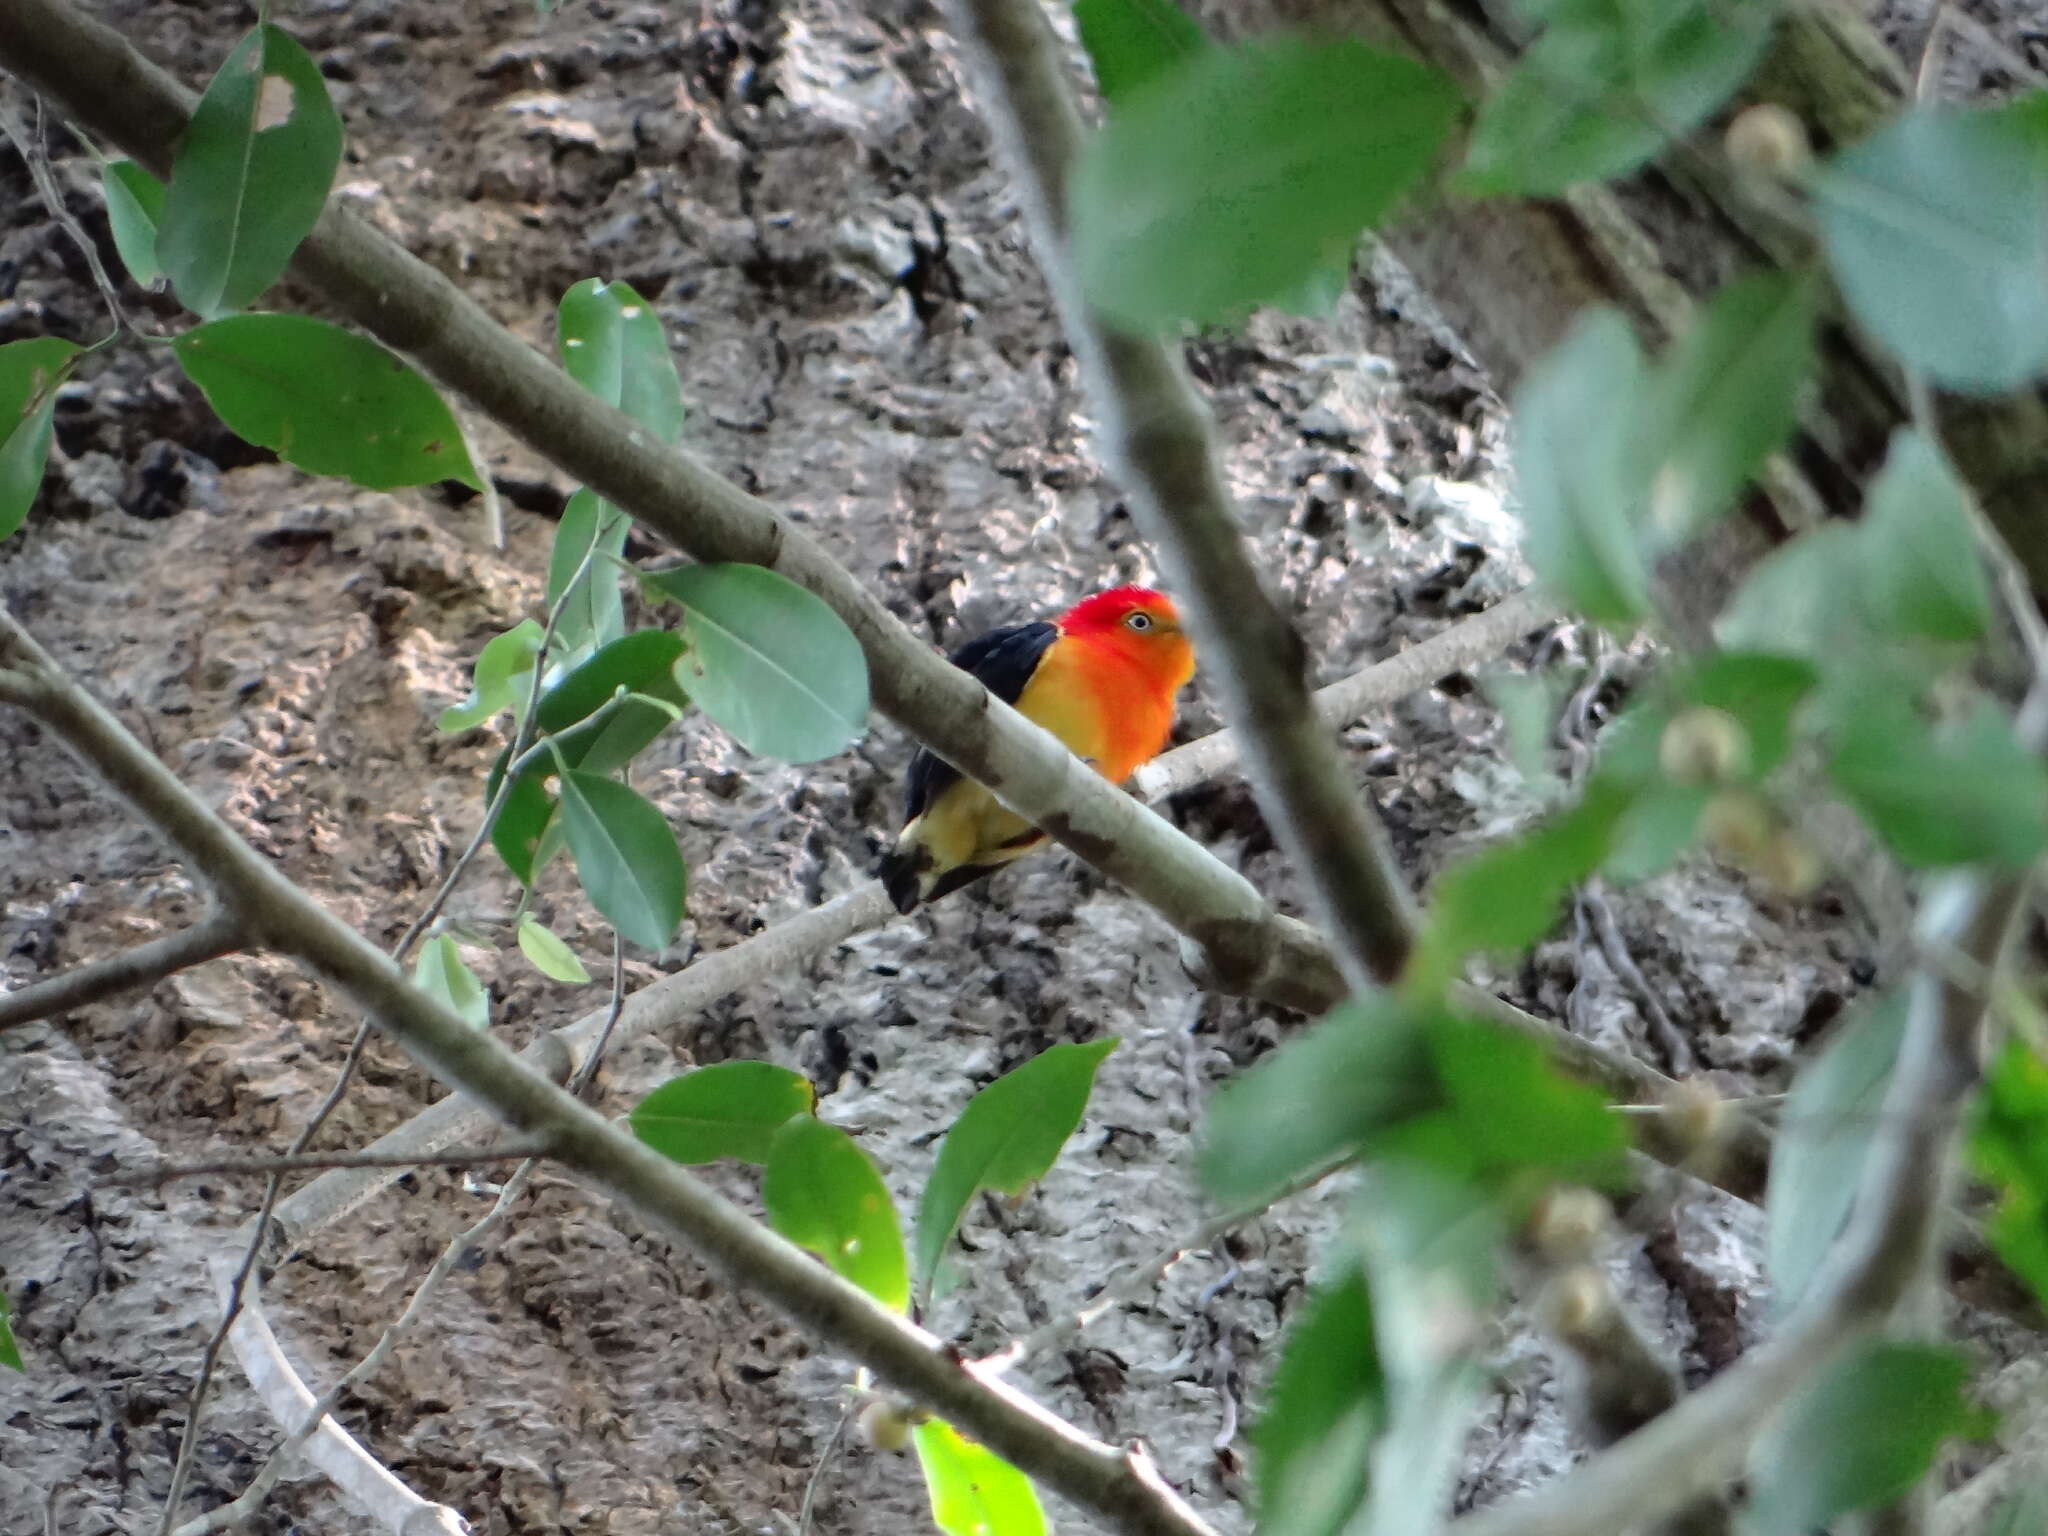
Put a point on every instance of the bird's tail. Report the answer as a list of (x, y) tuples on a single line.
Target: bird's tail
[(901, 872)]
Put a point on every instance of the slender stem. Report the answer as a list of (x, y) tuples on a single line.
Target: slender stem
[(456, 1157), (212, 936), (35, 155)]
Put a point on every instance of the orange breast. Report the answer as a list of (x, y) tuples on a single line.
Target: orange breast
[(1111, 704)]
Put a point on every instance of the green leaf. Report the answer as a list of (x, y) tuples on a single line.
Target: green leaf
[(1970, 792), (1726, 398), (731, 1109), (1432, 1252), (1860, 1436), (1921, 575), (1132, 43), (503, 678), (974, 1491), (1506, 897), (2008, 1149), (612, 344), (1006, 1138), (10, 1353), (1606, 86), (1824, 1132), (135, 207), (440, 973), (1655, 831), (594, 613), (522, 821), (823, 1193), (626, 857), (1364, 1065), (325, 399), (1580, 466), (637, 663), (1327, 1403), (2024, 1513), (1797, 602), (1511, 1115), (30, 372), (1937, 229), (1759, 692), (768, 661), (550, 956), (250, 178), (1224, 185)]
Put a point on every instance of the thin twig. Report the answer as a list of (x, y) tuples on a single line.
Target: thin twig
[(35, 155), (214, 935), (459, 1157)]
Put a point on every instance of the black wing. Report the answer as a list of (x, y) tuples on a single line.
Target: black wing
[(1003, 661)]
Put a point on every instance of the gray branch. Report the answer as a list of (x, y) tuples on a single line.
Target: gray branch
[(212, 936)]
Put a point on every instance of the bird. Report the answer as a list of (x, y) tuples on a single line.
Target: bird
[(1102, 677)]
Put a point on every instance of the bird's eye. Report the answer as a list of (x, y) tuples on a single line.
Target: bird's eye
[(1138, 621)]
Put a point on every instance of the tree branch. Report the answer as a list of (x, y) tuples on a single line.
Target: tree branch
[(748, 1256), (214, 935), (1155, 432)]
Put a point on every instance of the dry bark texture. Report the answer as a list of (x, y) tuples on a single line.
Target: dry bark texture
[(806, 195)]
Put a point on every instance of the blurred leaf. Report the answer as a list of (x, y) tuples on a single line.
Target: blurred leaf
[(550, 956), (1937, 229), (1921, 573), (1967, 793), (612, 344), (1578, 453), (1798, 600), (250, 178), (1432, 1253), (2008, 1149), (1325, 1406), (824, 1193), (1726, 398), (1506, 897), (503, 678), (326, 399), (729, 1109), (1824, 1132), (769, 661), (626, 857), (440, 973), (1006, 1138), (1860, 1436), (30, 372), (135, 207), (1224, 185), (1363, 1066), (1759, 692), (1654, 831), (595, 614), (974, 1491), (638, 663), (10, 1353), (2024, 1513), (1606, 86), (1131, 43), (1510, 1114)]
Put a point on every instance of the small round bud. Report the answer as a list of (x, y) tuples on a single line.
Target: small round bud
[(1575, 1302), (1771, 139), (1696, 1117), (1739, 826), (1568, 1223), (884, 1424), (1703, 745), (1791, 868)]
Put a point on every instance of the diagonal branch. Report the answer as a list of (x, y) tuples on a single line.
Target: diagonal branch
[(1119, 1486), (1156, 434), (145, 965)]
